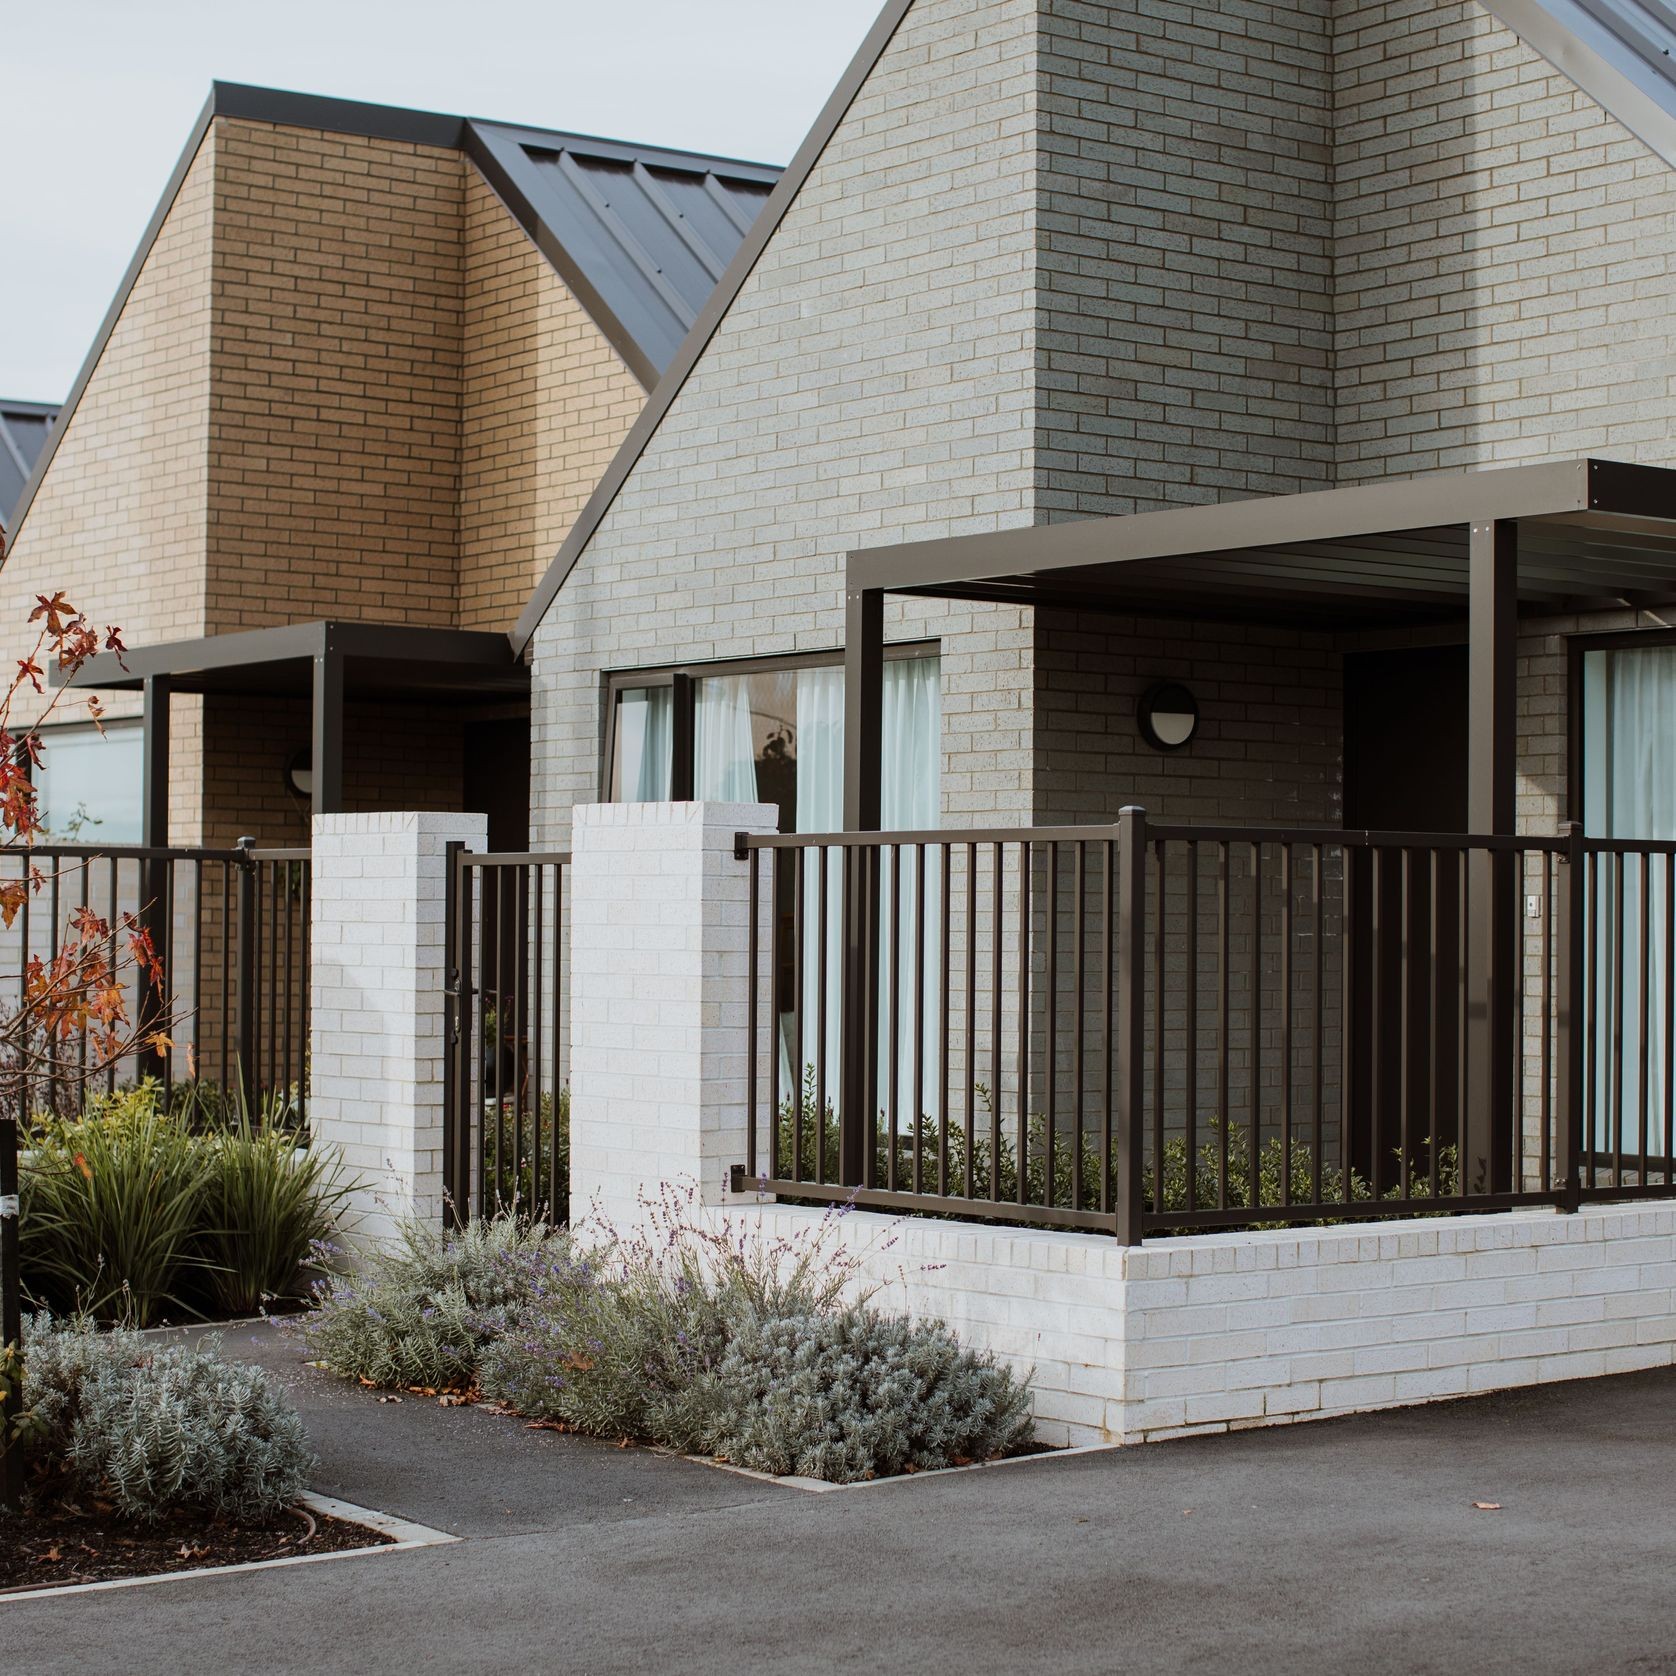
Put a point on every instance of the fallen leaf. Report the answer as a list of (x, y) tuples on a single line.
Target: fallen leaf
[(50, 1557), (1186, 1512), (1488, 1506), (389, 1399)]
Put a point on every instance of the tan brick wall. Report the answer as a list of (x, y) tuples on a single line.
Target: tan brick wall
[(335, 437), (120, 520), (546, 401)]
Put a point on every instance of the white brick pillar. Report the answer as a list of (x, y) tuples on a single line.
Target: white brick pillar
[(660, 938), (377, 1051)]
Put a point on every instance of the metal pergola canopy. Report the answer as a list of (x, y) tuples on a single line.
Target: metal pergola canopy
[(326, 663), (1590, 533), (379, 661)]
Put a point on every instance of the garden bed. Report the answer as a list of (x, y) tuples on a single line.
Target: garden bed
[(83, 1541)]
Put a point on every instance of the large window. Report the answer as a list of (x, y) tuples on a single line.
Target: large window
[(1627, 782), (88, 785), (773, 732)]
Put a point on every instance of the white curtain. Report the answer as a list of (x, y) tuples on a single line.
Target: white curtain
[(724, 754), (910, 801), (1630, 792), (820, 808), (645, 741)]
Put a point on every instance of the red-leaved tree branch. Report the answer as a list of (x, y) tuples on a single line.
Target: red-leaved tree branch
[(71, 1013)]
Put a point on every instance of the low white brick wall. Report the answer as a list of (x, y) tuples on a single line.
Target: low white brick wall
[(1218, 1332), (376, 1025)]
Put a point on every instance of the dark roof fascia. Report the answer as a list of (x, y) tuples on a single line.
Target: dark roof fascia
[(1588, 54), (293, 642), (336, 116), (1575, 489), (30, 410), (715, 311), (500, 160)]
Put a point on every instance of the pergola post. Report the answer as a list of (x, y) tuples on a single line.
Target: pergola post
[(864, 664), (154, 873), (328, 730), (1492, 1086)]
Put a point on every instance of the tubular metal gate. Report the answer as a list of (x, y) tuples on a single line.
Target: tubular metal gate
[(231, 930), (506, 1139)]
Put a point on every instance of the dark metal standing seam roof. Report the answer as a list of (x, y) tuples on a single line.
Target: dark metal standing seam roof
[(641, 235), (24, 428)]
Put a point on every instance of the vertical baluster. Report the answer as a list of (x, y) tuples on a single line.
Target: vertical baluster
[(1224, 1046), (1404, 1041), (1254, 1118), (945, 858), (1434, 1022), (995, 1028), (1192, 898), (1318, 1124), (794, 1059), (1159, 1012), (1646, 1019), (971, 1011), (1285, 1022), (1346, 1031), (918, 1083), (1545, 1164), (894, 1058), (1079, 905), (1617, 1069), (1026, 864), (1190, 1109), (823, 860), (776, 1152), (1050, 1054), (535, 940), (1669, 1012), (753, 1020)]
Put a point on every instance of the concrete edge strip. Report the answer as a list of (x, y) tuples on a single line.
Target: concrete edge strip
[(406, 1534), (819, 1486)]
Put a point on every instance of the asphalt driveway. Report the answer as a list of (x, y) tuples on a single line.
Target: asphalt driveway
[(1343, 1546)]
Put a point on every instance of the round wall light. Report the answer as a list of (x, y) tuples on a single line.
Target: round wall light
[(1169, 716), (299, 773)]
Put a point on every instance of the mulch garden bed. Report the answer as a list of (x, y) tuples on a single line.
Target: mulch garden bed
[(85, 1541)]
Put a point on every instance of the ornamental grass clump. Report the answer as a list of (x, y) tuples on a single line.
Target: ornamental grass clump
[(418, 1314), (135, 1211), (158, 1429)]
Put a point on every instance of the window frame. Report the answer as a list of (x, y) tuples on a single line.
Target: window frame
[(1604, 640), (684, 677)]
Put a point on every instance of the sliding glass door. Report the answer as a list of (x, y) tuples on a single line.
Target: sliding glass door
[(1628, 784)]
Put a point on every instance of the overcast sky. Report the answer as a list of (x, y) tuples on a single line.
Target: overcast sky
[(97, 98)]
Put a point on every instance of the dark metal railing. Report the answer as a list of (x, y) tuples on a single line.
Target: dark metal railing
[(1146, 1028), (231, 928), (506, 1106)]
